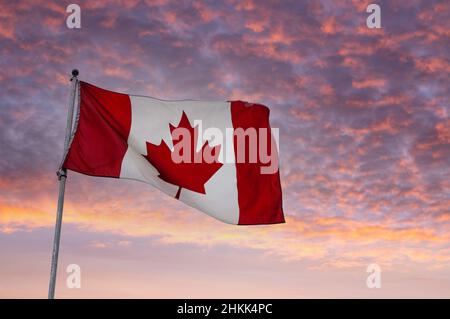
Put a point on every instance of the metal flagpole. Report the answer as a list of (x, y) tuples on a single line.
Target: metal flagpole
[(62, 176)]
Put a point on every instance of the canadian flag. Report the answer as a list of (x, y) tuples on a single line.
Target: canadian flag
[(202, 153)]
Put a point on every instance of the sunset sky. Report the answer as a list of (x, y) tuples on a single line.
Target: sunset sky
[(364, 148)]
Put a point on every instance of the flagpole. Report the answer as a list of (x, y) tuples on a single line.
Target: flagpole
[(62, 176)]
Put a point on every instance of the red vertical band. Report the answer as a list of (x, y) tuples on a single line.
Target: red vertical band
[(259, 195), (101, 136)]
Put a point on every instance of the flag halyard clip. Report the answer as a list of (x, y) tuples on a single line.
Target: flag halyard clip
[(61, 173)]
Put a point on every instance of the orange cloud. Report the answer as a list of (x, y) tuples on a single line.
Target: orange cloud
[(6, 31), (368, 83), (206, 13), (118, 72), (330, 26), (246, 5), (443, 129), (255, 26), (110, 21), (385, 125), (298, 239), (433, 65)]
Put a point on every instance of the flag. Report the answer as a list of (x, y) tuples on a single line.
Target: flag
[(218, 157)]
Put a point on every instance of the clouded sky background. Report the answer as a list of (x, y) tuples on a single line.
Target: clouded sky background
[(364, 145)]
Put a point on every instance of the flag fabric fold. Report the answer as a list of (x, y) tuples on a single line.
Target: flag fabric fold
[(190, 150)]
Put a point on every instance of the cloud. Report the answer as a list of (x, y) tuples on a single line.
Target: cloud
[(363, 118)]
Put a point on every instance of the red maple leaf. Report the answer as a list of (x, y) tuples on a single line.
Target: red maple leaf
[(191, 174)]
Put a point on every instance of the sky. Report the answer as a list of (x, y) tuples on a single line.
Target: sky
[(364, 148)]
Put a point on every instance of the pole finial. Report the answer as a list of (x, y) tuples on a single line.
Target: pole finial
[(75, 73)]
